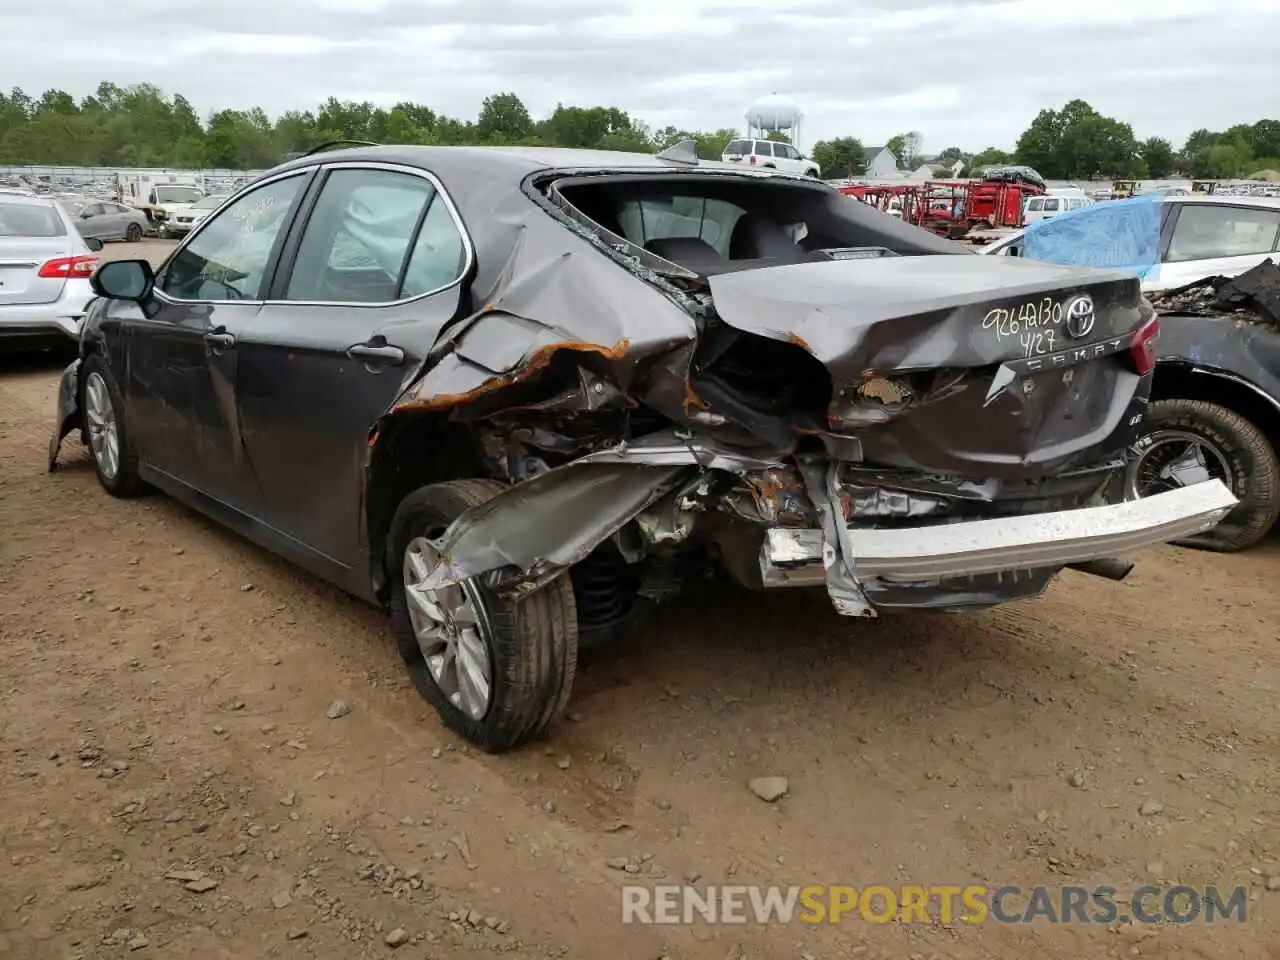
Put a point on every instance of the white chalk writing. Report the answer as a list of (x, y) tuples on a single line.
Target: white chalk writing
[(1037, 342), (1010, 323)]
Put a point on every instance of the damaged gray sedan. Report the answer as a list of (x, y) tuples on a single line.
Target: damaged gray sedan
[(516, 394)]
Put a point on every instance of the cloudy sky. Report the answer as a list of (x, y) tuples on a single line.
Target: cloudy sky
[(970, 73)]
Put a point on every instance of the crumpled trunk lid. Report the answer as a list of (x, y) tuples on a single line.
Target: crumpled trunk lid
[(970, 365)]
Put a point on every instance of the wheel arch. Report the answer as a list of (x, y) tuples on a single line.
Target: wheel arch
[(408, 450), (1183, 380)]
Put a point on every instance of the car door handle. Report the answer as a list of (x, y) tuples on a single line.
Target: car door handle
[(220, 339), (376, 351)]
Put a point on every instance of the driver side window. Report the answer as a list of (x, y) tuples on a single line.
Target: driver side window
[(228, 259)]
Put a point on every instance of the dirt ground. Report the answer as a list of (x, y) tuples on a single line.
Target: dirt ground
[(171, 784)]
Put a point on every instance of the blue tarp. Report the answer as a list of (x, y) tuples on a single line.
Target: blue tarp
[(1121, 234)]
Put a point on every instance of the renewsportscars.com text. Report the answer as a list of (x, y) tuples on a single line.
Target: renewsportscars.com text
[(944, 903)]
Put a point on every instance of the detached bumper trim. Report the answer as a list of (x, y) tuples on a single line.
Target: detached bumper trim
[(794, 557)]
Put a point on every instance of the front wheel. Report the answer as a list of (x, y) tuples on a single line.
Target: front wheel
[(1191, 441), (497, 671), (811, 172)]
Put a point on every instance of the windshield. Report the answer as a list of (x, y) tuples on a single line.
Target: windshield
[(209, 203), (172, 194), (29, 220)]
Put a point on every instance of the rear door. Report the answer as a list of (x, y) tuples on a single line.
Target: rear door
[(31, 235), (1215, 239), (369, 276), (182, 359)]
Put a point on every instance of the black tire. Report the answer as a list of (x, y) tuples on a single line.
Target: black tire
[(533, 642), (133, 233), (125, 483), (1253, 470), (811, 173)]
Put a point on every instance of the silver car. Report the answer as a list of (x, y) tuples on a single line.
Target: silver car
[(105, 219), (45, 267)]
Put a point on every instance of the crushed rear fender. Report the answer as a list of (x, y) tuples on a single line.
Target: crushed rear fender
[(535, 530)]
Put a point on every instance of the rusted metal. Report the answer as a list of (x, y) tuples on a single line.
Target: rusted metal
[(534, 364)]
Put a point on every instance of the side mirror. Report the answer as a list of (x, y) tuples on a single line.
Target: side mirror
[(124, 280), (93, 243)]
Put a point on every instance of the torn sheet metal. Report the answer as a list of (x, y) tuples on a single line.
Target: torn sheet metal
[(837, 546), (531, 532), (680, 447), (537, 528)]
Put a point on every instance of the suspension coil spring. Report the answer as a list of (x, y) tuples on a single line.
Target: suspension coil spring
[(603, 588)]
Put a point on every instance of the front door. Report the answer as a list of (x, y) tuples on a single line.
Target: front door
[(182, 365), (359, 299)]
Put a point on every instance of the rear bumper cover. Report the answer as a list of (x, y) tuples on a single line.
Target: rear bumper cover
[(58, 320), (795, 557)]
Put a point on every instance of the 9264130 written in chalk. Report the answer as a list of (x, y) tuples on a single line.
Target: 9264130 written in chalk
[(1035, 325)]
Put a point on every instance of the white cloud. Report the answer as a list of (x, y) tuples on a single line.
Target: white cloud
[(971, 73)]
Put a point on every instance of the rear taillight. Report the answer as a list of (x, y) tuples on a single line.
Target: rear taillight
[(753, 158), (68, 267), (1143, 347)]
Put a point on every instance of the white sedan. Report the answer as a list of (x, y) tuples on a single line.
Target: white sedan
[(1199, 236)]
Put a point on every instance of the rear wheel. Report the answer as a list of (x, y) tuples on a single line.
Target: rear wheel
[(133, 233), (1191, 441), (114, 459), (497, 671)]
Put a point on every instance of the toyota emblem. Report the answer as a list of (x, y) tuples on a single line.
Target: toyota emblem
[(1079, 317)]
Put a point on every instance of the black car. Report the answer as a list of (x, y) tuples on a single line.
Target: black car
[(514, 394), (1215, 410)]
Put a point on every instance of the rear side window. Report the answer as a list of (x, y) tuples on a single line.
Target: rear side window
[(1051, 205), (737, 148), (30, 220)]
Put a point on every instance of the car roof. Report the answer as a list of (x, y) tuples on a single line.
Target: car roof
[(31, 199), (513, 163), (1242, 200)]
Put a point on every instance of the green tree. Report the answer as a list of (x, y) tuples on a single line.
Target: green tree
[(841, 157), (504, 119), (1078, 142), (1157, 154), (990, 157)]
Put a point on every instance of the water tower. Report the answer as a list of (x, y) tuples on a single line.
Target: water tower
[(774, 114)]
